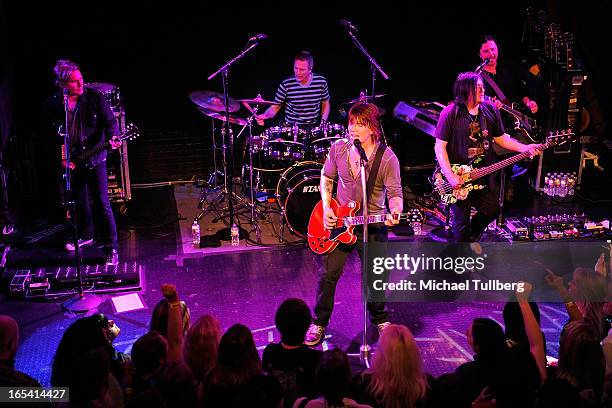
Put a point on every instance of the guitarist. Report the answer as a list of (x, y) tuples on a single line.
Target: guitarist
[(466, 129), (342, 163), (502, 84), (90, 123)]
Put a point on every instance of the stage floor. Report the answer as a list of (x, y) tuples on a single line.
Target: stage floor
[(242, 286)]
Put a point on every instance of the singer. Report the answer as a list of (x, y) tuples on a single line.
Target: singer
[(342, 163), (90, 123), (305, 95)]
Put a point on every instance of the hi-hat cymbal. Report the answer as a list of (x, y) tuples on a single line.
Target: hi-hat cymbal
[(216, 115), (213, 101), (258, 101), (363, 98)]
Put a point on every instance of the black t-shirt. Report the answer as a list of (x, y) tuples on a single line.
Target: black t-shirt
[(293, 368), (457, 127)]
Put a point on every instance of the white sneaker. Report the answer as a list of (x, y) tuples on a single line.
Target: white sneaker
[(82, 242)]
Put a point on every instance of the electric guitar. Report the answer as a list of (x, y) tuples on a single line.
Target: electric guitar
[(323, 241), (131, 132), (471, 172)]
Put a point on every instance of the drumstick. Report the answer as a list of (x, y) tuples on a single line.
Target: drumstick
[(246, 105)]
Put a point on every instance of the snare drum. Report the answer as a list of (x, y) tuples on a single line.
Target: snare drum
[(297, 194)]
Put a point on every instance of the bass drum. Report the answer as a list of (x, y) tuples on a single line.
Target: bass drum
[(297, 194)]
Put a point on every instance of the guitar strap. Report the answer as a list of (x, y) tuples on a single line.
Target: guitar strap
[(500, 94), (374, 170)]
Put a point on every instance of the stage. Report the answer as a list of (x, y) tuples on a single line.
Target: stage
[(244, 284)]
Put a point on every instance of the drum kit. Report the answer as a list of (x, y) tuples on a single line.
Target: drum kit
[(280, 164)]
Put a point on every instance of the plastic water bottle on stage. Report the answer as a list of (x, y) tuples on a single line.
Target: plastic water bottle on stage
[(417, 228), (195, 233), (235, 235)]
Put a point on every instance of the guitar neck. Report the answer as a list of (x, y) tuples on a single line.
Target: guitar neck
[(521, 116), (92, 152), (485, 171), (372, 219)]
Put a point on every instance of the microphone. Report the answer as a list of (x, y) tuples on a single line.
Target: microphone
[(258, 37), (362, 152), (482, 65), (348, 25)]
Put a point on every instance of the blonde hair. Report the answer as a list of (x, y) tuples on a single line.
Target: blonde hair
[(201, 345), (397, 373), (366, 114)]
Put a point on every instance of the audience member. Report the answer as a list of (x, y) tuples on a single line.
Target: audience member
[(201, 345), (511, 378), (237, 379), (581, 365), (171, 318), (396, 378), (149, 355), (9, 342), (291, 362), (333, 377), (177, 386)]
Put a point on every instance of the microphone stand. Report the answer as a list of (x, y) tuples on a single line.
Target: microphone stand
[(374, 65), (225, 233), (82, 302), (364, 350)]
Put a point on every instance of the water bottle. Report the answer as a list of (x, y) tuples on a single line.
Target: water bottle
[(416, 227), (235, 235), (546, 189), (195, 233)]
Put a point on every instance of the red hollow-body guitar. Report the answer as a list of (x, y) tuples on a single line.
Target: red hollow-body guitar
[(323, 241)]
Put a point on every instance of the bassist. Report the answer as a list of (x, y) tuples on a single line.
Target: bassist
[(465, 132)]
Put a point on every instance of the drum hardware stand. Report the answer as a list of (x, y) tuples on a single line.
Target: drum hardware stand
[(374, 65), (212, 183), (225, 233), (255, 213)]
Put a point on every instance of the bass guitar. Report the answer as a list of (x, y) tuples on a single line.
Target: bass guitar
[(323, 241), (472, 172)]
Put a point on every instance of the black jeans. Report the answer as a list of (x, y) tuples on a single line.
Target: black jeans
[(333, 266), (93, 183), (486, 203)]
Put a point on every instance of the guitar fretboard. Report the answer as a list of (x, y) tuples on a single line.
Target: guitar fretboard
[(372, 219)]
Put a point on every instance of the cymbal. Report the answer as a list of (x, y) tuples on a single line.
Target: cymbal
[(258, 101), (216, 115), (363, 98), (213, 101)]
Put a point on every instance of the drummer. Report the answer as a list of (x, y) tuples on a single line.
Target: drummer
[(305, 96)]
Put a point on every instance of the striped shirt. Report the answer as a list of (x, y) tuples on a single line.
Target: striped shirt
[(302, 102)]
